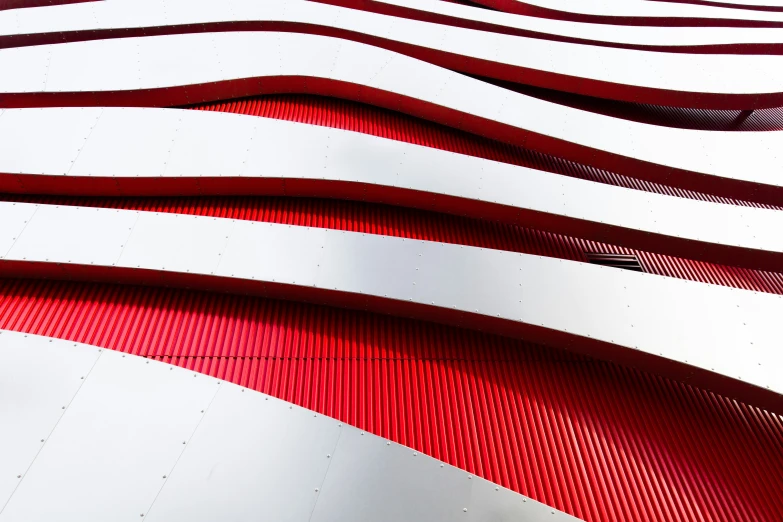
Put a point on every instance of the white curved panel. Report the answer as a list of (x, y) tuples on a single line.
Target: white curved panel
[(36, 386), (15, 219), (129, 144), (730, 333), (691, 73), (179, 60), (96, 15), (142, 440), (622, 34), (647, 9)]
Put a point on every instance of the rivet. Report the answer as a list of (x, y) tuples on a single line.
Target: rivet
[(328, 456), (164, 476), (316, 490), (465, 510)]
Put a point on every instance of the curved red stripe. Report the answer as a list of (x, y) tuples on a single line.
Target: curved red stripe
[(517, 7), (19, 4), (23, 40), (426, 16)]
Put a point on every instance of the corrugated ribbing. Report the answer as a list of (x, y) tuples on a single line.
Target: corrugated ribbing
[(603, 442), (419, 224), (347, 115)]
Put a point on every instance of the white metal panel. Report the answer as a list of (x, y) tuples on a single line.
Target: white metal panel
[(38, 380), (14, 218), (175, 242), (388, 482), (90, 236), (135, 146), (124, 431), (490, 502), (25, 70), (24, 135), (271, 252), (288, 150), (252, 458), (208, 144)]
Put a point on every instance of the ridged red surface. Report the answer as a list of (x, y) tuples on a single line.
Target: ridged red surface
[(343, 114), (603, 442), (418, 224)]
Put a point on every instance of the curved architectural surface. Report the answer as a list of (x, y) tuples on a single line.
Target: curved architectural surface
[(124, 151), (79, 428), (639, 12), (568, 284), (174, 71), (698, 80), (729, 346), (722, 40)]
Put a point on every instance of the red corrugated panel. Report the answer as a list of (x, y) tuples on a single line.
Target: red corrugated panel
[(603, 442), (419, 224), (342, 114)]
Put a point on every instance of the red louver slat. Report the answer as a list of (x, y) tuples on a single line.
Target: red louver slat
[(600, 441)]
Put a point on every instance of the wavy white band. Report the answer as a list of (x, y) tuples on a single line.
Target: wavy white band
[(722, 338), (726, 79), (176, 69), (129, 151), (622, 34)]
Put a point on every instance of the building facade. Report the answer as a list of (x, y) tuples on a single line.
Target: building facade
[(490, 260)]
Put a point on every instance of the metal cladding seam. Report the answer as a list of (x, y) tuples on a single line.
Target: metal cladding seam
[(419, 224), (597, 440)]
